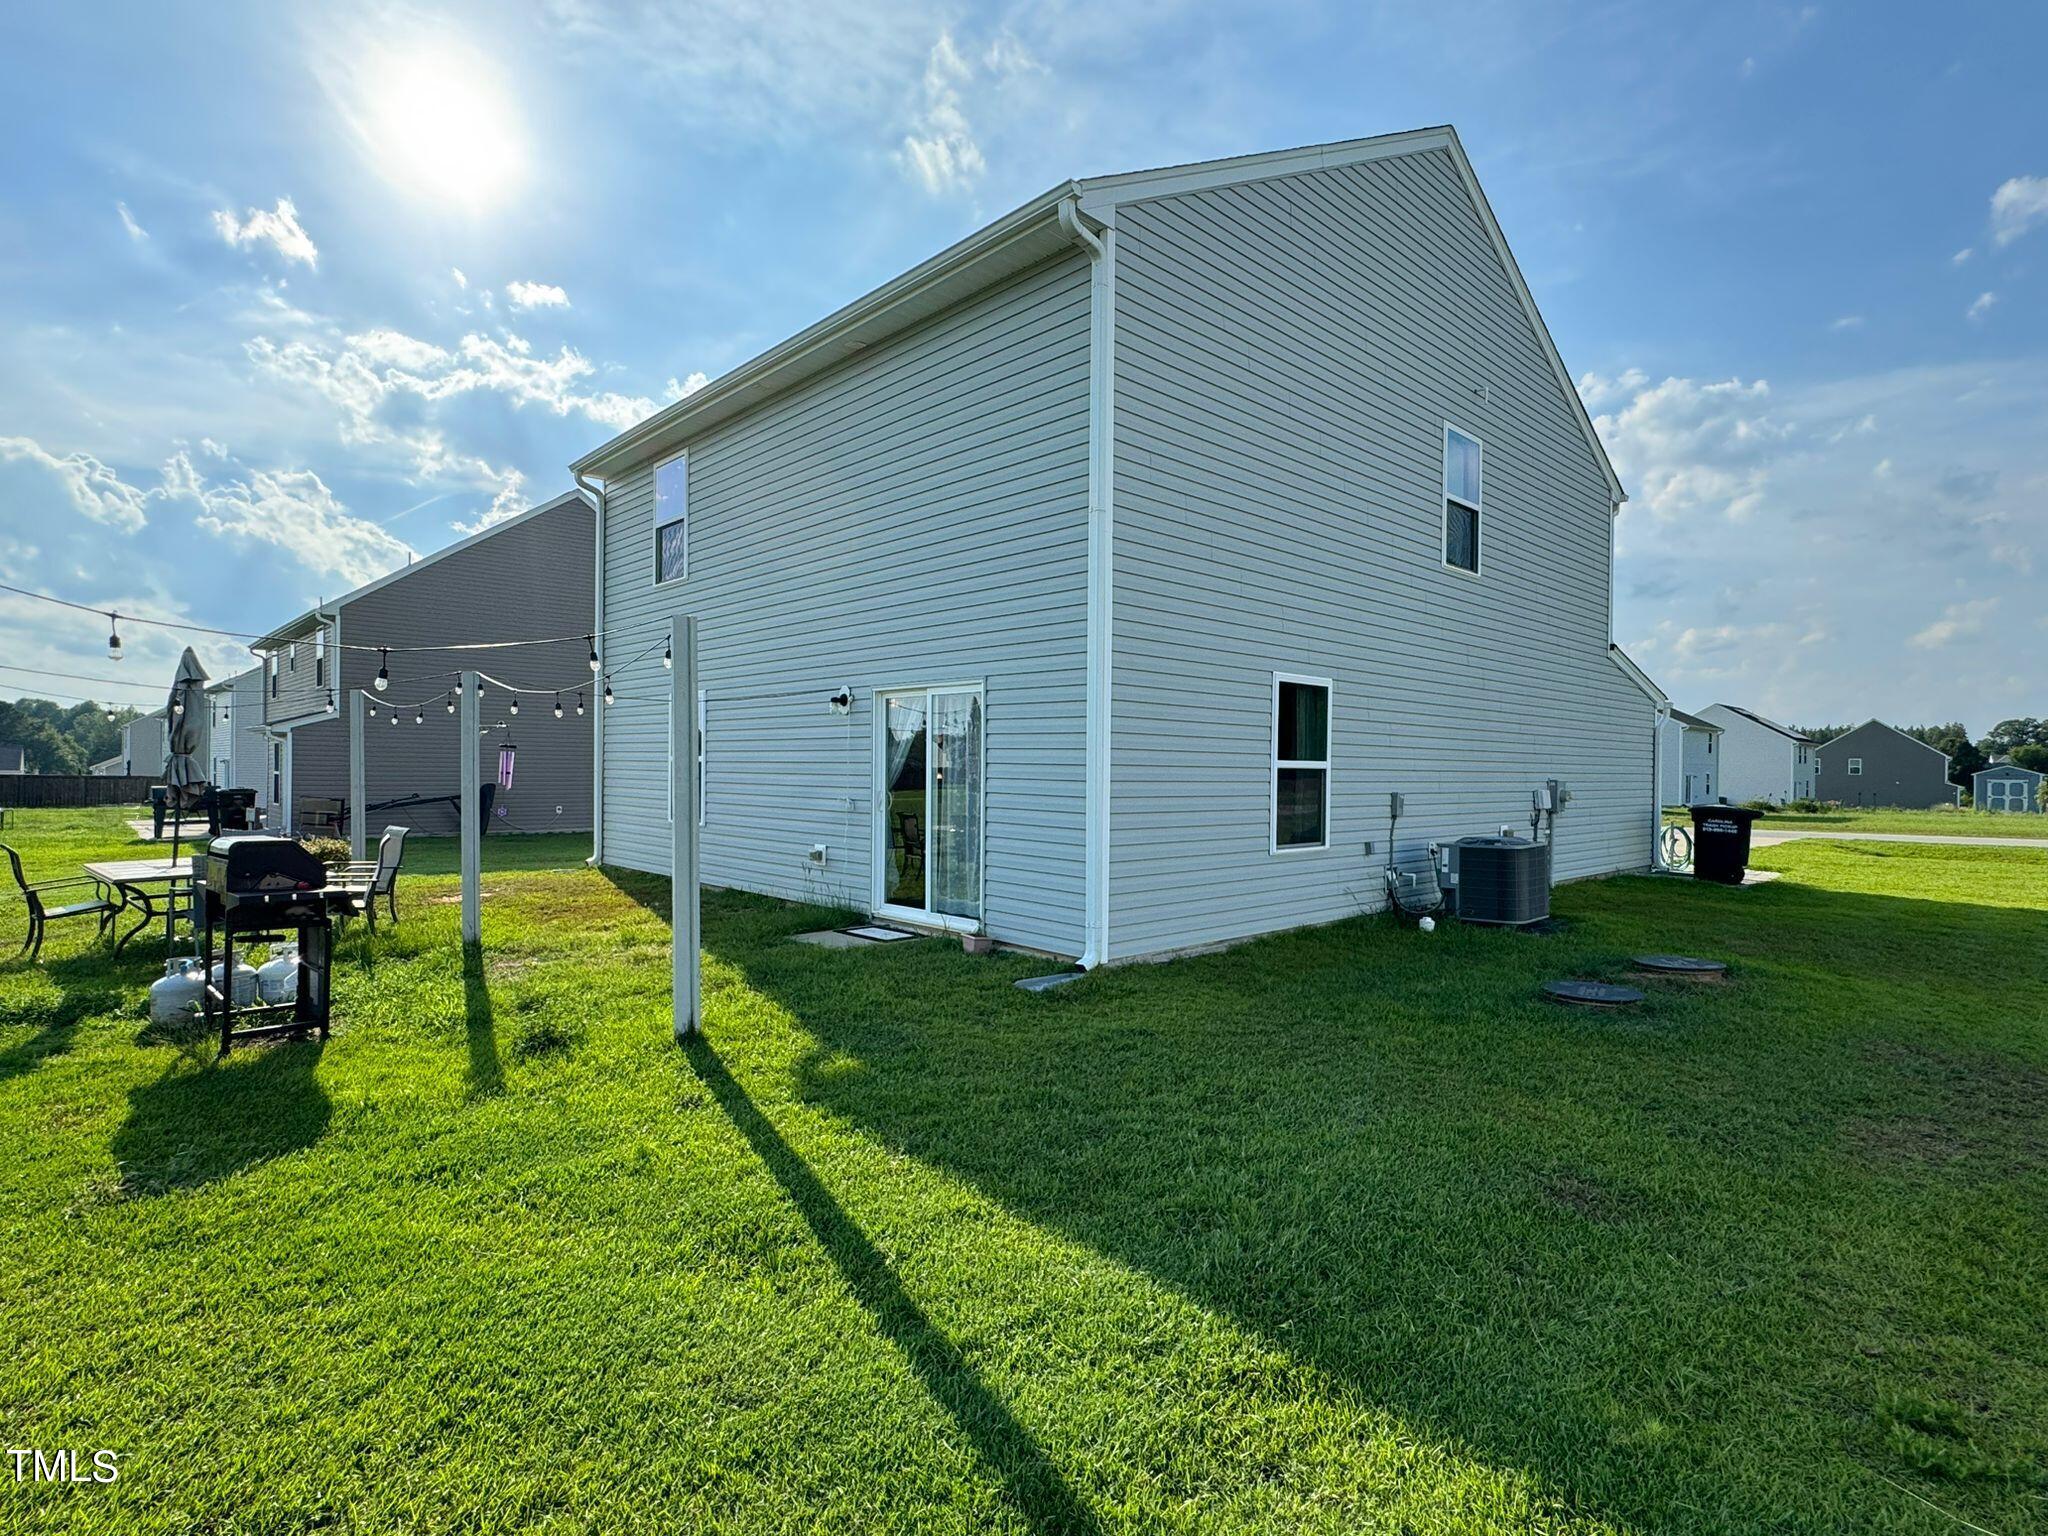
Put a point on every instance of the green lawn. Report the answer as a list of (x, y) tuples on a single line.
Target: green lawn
[(1955, 823), (1343, 1231)]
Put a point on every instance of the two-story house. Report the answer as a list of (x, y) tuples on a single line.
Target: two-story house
[(1760, 759), (402, 641), (1878, 764), (1103, 582)]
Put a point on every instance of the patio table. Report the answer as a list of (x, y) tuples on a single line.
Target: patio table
[(152, 885)]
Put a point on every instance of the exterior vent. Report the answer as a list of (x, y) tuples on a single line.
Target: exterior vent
[(1503, 880)]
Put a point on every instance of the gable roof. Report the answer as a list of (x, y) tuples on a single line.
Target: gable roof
[(1770, 725), (1636, 674), (2008, 766), (1902, 735), (293, 628), (1024, 237), (1695, 722)]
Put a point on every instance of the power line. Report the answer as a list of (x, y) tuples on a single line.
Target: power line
[(81, 677)]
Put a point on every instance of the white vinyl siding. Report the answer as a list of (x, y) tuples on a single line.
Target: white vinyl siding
[(919, 511), (1287, 353)]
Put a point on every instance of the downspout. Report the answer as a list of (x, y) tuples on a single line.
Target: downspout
[(1100, 243), (1663, 718), (593, 492)]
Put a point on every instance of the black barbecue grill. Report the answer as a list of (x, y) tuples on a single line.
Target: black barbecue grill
[(258, 886)]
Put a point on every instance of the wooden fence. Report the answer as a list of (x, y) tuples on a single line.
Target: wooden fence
[(75, 789)]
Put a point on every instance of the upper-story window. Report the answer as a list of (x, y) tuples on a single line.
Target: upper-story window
[(320, 655), (1461, 500), (270, 662), (1855, 767), (672, 519)]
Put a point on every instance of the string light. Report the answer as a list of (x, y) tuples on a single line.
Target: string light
[(419, 715), (114, 637), (451, 703), (330, 701), (607, 693), (668, 659), (579, 701), (558, 707), (394, 717), (383, 670), (373, 711), (110, 717), (515, 703), (591, 640)]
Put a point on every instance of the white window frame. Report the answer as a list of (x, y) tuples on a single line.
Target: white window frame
[(1327, 763), (320, 656), (878, 880), (1478, 507), (660, 523), (1855, 767)]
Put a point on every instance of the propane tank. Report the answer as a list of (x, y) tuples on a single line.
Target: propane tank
[(245, 981), (277, 979), (176, 995)]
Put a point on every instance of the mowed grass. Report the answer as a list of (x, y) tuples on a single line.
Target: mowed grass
[(1342, 1231), (1939, 823)]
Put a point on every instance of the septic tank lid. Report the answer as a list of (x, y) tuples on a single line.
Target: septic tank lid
[(1591, 994)]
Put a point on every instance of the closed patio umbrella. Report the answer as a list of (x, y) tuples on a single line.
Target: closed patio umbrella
[(190, 717)]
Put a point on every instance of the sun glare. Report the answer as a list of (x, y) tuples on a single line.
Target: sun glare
[(440, 126)]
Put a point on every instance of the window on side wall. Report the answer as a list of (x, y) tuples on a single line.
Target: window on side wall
[(1301, 763), (1462, 486), (1855, 767), (319, 656), (672, 519)]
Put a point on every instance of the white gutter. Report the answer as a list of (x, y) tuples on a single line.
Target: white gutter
[(1101, 250), (1663, 718), (593, 491)]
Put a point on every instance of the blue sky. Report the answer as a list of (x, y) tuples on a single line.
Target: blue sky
[(285, 293)]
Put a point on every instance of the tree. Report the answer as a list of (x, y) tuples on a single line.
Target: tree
[(2022, 731), (2031, 755), (1965, 757), (61, 739)]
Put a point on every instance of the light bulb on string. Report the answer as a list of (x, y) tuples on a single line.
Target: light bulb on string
[(515, 703), (451, 703), (607, 693), (592, 641), (383, 670), (373, 711), (394, 717), (579, 701), (558, 706), (419, 715), (113, 637), (668, 659)]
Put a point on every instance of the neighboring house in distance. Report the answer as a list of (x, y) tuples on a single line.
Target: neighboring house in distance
[(1097, 583), (1877, 764), (2006, 787), (13, 758), (1690, 758), (145, 745), (531, 577), (106, 768), (243, 746), (1760, 759)]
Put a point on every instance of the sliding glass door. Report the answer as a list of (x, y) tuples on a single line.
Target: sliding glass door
[(929, 805)]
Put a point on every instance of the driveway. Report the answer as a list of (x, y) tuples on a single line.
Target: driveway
[(1763, 837)]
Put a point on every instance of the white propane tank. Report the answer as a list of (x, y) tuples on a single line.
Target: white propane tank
[(277, 979), (245, 982), (176, 995)]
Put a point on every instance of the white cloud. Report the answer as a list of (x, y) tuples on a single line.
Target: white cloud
[(95, 489), (1962, 256), (135, 231), (2017, 206), (279, 228), (682, 389), (292, 509), (1980, 306), (1686, 447), (940, 150), (1846, 323), (461, 280), (216, 449), (536, 296), (1958, 621)]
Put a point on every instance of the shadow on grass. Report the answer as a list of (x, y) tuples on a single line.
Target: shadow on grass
[(200, 1123), (1032, 1483), (486, 1071), (500, 853), (55, 1028)]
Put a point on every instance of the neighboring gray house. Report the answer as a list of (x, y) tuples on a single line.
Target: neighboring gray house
[(1876, 764), (244, 747), (1690, 759), (1097, 582), (145, 747), (106, 768), (13, 759), (527, 578), (2007, 787), (1760, 759)]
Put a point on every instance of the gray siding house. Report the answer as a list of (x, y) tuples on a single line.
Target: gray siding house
[(243, 746), (1097, 583), (528, 578), (1876, 764), (2007, 787)]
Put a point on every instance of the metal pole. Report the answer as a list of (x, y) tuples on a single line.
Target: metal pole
[(472, 896), (685, 913), (358, 802)]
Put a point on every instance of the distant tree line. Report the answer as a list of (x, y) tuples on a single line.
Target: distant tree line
[(61, 738), (2023, 739)]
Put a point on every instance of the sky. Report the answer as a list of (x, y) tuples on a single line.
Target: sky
[(291, 294)]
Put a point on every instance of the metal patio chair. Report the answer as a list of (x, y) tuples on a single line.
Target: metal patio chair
[(41, 915), (377, 877)]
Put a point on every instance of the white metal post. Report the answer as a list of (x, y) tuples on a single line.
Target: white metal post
[(472, 790), (358, 802), (686, 915)]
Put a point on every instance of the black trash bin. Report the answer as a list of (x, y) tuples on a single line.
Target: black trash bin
[(1720, 842)]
